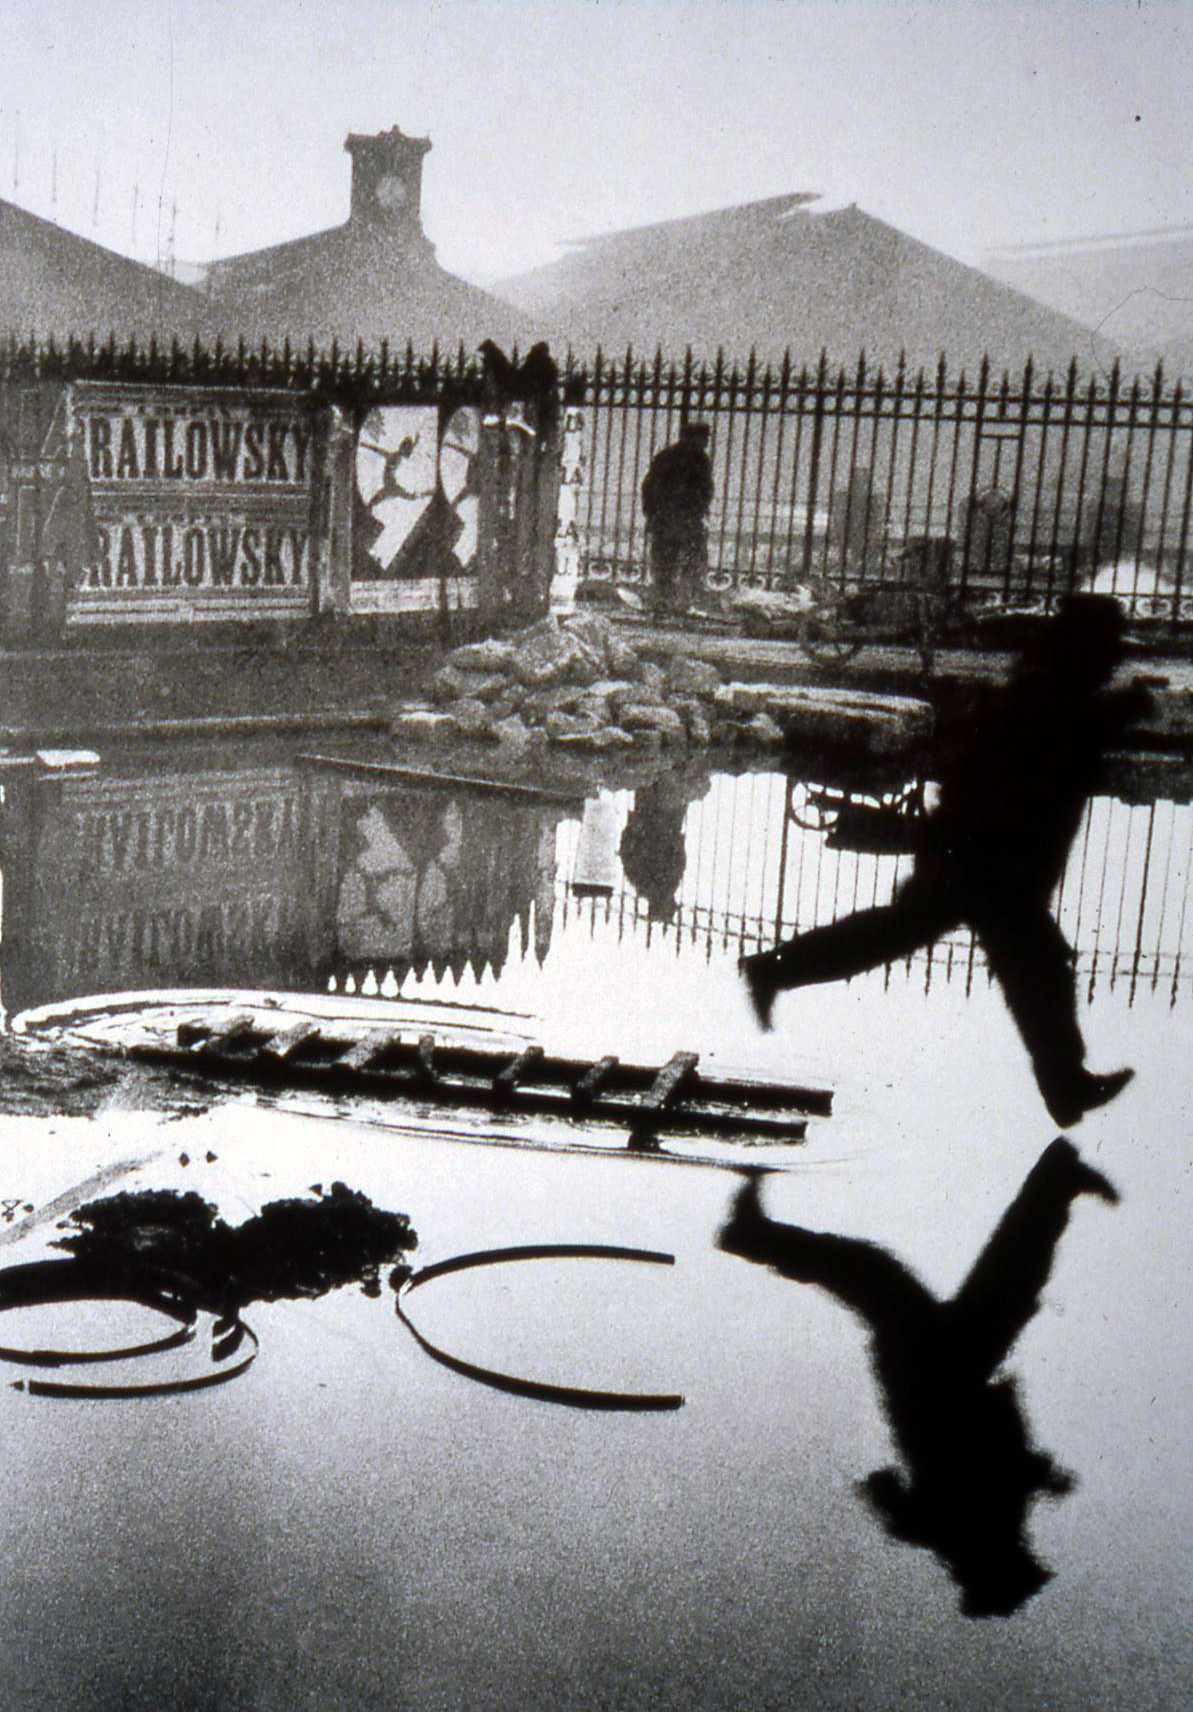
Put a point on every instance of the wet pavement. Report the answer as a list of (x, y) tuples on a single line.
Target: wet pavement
[(349, 1522)]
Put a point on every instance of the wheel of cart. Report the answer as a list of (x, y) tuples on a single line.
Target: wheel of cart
[(814, 808), (827, 631)]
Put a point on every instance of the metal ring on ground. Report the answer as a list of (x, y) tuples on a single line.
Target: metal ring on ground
[(578, 1397), (41, 1283)]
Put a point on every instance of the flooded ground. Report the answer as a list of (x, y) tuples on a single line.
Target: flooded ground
[(353, 1523)]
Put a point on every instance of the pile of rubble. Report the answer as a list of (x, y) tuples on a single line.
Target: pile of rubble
[(578, 684)]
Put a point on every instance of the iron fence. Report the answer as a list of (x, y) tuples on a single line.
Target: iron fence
[(354, 375), (1015, 490)]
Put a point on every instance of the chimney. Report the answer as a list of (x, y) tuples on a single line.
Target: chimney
[(387, 175)]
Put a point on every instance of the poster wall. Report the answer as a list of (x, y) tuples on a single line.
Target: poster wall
[(415, 527), (203, 502)]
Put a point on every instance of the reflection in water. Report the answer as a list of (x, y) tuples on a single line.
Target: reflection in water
[(173, 1253), (278, 877), (993, 852), (653, 852), (435, 880), (290, 1249), (972, 1472), (291, 878)]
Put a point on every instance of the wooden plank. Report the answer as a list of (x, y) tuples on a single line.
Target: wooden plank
[(286, 1041), (426, 776), (506, 1081), (582, 1080), (370, 1048), (689, 1118)]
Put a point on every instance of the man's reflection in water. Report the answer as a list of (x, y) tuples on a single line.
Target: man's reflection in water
[(971, 1470), (992, 853), (653, 852)]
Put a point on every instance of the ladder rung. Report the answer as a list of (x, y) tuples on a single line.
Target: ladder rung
[(673, 1080), (590, 1084), (425, 1054), (286, 1042), (231, 1033), (507, 1079), (370, 1047)]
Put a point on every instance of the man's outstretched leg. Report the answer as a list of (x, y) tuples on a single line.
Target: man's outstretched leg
[(1033, 964), (1003, 1289), (863, 940)]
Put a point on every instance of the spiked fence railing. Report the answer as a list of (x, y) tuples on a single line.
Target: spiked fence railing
[(1026, 486)]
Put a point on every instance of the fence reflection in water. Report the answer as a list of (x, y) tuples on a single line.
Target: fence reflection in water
[(300, 881), (761, 865)]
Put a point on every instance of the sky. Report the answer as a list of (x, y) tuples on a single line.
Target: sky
[(201, 128)]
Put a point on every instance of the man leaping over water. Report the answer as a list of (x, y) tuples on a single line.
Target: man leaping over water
[(992, 853)]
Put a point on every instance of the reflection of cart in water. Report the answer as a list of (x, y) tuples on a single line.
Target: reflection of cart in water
[(877, 819)]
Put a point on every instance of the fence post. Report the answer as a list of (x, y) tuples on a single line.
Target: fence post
[(567, 538), (1182, 550), (978, 421), (1025, 403), (814, 467)]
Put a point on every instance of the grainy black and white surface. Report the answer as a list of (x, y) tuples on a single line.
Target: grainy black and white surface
[(346, 1523)]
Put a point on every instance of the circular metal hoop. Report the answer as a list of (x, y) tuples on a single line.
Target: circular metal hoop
[(42, 1283), (578, 1397)]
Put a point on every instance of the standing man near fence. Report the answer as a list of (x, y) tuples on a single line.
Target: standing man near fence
[(676, 496)]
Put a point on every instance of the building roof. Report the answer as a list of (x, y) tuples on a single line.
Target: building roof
[(374, 278), (1136, 288), (354, 283), (778, 273), (54, 284)]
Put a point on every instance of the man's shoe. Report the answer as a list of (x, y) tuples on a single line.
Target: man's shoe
[(761, 987), (1078, 1177), (1090, 1092)]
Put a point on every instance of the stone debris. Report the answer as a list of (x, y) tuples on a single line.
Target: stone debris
[(766, 732), (578, 684), (876, 724), (420, 725)]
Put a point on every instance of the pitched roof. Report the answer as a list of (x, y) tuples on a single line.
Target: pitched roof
[(54, 284), (1135, 287), (776, 274), (356, 281)]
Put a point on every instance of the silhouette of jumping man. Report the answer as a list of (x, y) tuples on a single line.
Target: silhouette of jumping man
[(676, 495), (971, 1472), (992, 853)]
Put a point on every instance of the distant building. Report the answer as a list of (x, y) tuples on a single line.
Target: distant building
[(1135, 288), (54, 284), (776, 274), (373, 278)]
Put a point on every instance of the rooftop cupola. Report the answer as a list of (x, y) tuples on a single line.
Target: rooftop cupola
[(387, 174)]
